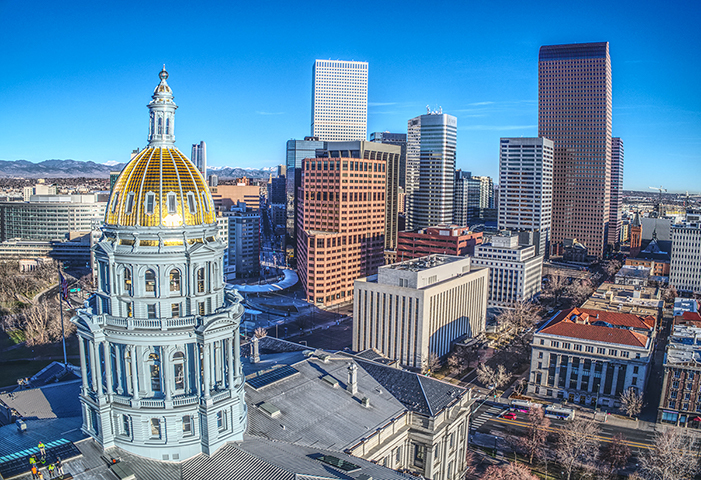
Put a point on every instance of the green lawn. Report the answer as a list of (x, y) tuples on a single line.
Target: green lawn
[(11, 371)]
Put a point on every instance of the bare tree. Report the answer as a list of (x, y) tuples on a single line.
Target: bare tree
[(555, 288), (520, 385), (614, 455), (612, 267), (511, 471), (470, 464), (670, 293), (520, 317), (577, 445), (579, 290), (670, 458), (491, 377), (534, 441), (260, 332), (433, 363), (632, 402)]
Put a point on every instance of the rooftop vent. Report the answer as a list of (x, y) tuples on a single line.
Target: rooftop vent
[(330, 380), (270, 409)]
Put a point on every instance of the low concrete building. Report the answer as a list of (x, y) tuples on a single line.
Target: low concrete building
[(590, 357), (445, 239), (515, 271), (619, 298), (417, 307)]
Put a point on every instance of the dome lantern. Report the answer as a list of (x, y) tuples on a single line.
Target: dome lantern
[(162, 114)]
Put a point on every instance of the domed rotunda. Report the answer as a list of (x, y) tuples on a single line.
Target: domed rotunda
[(159, 339)]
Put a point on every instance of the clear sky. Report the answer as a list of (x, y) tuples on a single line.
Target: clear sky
[(75, 77)]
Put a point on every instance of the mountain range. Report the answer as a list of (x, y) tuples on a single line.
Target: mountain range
[(75, 169)]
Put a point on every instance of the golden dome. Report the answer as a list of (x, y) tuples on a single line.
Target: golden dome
[(160, 187)]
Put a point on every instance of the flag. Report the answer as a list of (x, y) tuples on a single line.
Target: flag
[(64, 289)]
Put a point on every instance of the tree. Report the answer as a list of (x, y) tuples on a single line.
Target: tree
[(260, 332), (670, 293), (579, 290), (555, 288), (632, 402), (433, 362), (512, 471), (534, 441), (577, 445), (612, 267), (492, 378), (615, 455), (672, 457)]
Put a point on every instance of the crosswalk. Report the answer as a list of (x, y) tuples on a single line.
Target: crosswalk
[(485, 415)]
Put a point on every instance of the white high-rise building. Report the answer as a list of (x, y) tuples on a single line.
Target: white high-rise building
[(430, 202), (526, 188), (685, 266), (339, 100), (199, 157)]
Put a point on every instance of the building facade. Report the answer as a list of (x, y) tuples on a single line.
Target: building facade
[(159, 340), (590, 357), (526, 188), (295, 152), (199, 157), (474, 200), (685, 265), (339, 100), (341, 219), (431, 198), (515, 271), (394, 139), (575, 112), (616, 191), (445, 239), (419, 307), (243, 249)]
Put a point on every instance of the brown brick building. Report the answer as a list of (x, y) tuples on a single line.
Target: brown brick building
[(443, 239), (341, 218)]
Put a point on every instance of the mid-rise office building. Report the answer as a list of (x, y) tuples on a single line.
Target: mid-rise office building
[(526, 188), (276, 190), (685, 265), (341, 218), (421, 306), (199, 157), (432, 183), (441, 239), (243, 241), (228, 196), (394, 139), (339, 100), (590, 357), (515, 271), (295, 152), (41, 188), (473, 200), (616, 191), (575, 112)]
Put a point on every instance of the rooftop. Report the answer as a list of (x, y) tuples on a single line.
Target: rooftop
[(633, 299), (424, 263), (684, 346)]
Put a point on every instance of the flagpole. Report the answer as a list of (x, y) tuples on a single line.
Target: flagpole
[(60, 306)]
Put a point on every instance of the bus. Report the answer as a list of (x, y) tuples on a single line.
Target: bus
[(523, 406), (556, 411)]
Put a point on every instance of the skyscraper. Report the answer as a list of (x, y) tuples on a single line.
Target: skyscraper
[(199, 157), (473, 198), (394, 139), (295, 152), (430, 200), (616, 190), (339, 100), (526, 188), (574, 111)]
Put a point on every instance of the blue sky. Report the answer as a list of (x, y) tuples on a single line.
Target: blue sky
[(75, 77)]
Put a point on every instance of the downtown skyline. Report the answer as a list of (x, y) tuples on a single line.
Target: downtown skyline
[(73, 87)]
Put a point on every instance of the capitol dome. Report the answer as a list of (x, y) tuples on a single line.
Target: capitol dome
[(160, 186)]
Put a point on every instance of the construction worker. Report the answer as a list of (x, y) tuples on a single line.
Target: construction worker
[(59, 466), (41, 475), (42, 449), (35, 472), (32, 461), (51, 469)]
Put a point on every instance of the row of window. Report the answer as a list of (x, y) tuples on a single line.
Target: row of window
[(171, 203), (590, 349), (157, 425), (175, 281)]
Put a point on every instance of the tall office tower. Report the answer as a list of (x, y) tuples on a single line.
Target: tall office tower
[(199, 157), (685, 265), (394, 139), (296, 151), (341, 218), (340, 100), (526, 188), (431, 201), (574, 111), (473, 198), (616, 190)]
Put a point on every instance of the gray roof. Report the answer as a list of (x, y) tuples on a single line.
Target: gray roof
[(44, 430), (312, 411), (50, 401)]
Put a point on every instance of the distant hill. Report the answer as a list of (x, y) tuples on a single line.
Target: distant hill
[(75, 169)]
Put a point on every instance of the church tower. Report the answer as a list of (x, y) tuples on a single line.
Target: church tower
[(159, 340)]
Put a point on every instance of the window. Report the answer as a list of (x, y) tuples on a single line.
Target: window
[(187, 426), (151, 307), (398, 453), (200, 308), (115, 202), (150, 203), (200, 280), (172, 203), (221, 420), (601, 350), (129, 207), (127, 281), (175, 280), (554, 344), (677, 374), (130, 309), (634, 381), (540, 365), (540, 354), (205, 202), (635, 370), (155, 428), (626, 355), (578, 347), (191, 203), (675, 384), (542, 342), (154, 361), (175, 310), (419, 453), (589, 349), (126, 430), (566, 346), (150, 280), (179, 370)]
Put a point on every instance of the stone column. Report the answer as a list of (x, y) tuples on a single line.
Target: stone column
[(230, 363), (107, 347), (568, 374), (237, 352), (616, 369), (206, 368), (119, 358), (604, 368), (134, 372), (91, 353), (165, 372), (98, 369), (198, 368), (581, 374), (83, 363)]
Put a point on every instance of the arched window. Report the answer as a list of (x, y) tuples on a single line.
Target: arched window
[(167, 126), (179, 370), (160, 126), (200, 280), (154, 365), (127, 281), (150, 279), (175, 280)]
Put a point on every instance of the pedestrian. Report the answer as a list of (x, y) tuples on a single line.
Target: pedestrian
[(59, 466), (42, 448), (50, 469), (35, 471), (41, 475)]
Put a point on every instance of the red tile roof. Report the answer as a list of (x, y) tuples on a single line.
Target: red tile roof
[(577, 323)]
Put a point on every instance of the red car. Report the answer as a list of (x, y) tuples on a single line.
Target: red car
[(509, 416)]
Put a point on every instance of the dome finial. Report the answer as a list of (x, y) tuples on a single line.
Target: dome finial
[(163, 75)]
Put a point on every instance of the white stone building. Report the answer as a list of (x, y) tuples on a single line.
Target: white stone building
[(417, 307), (685, 266), (590, 356), (515, 271)]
